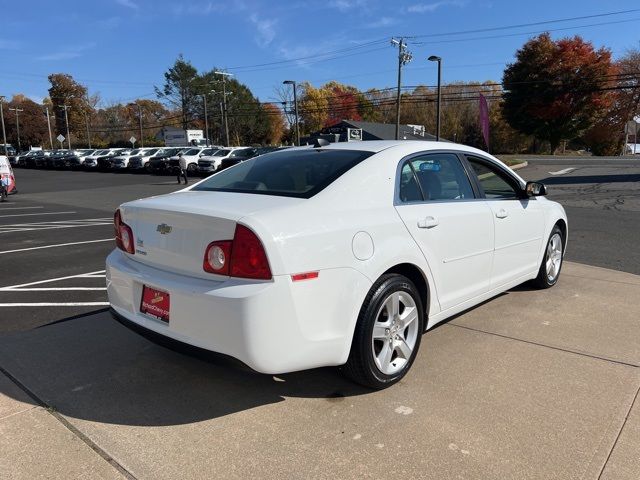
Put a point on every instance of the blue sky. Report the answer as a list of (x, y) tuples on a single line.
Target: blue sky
[(120, 48)]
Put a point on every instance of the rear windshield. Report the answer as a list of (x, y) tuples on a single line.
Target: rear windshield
[(291, 173)]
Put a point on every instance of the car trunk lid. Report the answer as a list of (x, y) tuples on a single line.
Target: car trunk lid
[(171, 232)]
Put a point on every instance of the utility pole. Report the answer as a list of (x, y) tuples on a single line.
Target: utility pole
[(434, 58), (140, 124), (224, 102), (17, 110), (86, 121), (66, 119), (4, 133), (404, 57), (295, 109), (49, 127)]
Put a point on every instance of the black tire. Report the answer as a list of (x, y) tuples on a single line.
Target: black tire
[(192, 169), (361, 366), (544, 280)]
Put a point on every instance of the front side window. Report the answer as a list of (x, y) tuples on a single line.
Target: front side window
[(297, 173), (494, 183), (435, 176)]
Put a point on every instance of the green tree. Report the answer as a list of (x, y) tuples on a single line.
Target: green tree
[(180, 89), (554, 89)]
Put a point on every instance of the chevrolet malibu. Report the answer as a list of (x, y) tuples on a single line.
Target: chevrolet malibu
[(342, 254)]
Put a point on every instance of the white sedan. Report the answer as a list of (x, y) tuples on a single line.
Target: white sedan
[(343, 254)]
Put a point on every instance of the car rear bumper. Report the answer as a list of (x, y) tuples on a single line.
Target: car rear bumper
[(273, 327)]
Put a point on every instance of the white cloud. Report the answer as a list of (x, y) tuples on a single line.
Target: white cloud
[(129, 4), (198, 8), (265, 30), (344, 5), (382, 22), (432, 7), (68, 53)]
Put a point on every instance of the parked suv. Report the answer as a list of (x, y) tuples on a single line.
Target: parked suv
[(191, 155)]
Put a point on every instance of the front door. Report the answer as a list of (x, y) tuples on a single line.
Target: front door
[(519, 223), (451, 226)]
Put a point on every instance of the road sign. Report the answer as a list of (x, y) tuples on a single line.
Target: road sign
[(133, 139), (60, 138)]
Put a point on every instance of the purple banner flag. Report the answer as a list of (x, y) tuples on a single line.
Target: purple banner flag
[(484, 120)]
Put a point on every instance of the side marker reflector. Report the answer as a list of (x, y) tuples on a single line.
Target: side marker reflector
[(304, 276)]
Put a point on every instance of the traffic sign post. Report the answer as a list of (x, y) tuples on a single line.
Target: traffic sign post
[(61, 139), (133, 141)]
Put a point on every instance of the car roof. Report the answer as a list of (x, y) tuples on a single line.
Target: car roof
[(376, 146)]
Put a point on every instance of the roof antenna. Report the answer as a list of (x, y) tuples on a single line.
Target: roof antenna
[(320, 142)]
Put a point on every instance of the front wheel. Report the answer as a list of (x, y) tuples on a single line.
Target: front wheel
[(388, 333), (552, 262)]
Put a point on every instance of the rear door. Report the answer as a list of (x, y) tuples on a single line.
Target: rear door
[(454, 229), (519, 221)]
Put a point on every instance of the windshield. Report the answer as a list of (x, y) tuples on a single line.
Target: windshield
[(298, 173), (153, 151), (101, 152), (222, 153), (192, 151), (134, 152)]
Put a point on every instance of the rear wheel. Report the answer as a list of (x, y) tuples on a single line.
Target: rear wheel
[(552, 262), (388, 333), (192, 169)]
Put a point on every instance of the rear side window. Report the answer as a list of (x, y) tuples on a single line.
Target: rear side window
[(291, 173)]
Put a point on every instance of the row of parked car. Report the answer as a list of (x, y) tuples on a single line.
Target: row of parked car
[(203, 160)]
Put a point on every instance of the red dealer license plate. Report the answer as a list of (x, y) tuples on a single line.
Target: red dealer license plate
[(155, 302)]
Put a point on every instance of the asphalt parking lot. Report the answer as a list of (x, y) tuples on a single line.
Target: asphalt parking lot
[(532, 384)]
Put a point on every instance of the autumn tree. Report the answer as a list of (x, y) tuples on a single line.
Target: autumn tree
[(276, 128), (65, 90), (33, 123), (312, 108), (343, 103), (554, 89)]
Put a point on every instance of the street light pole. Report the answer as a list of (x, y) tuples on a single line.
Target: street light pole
[(4, 133), (17, 110), (206, 120), (49, 127), (434, 58), (295, 108), (404, 57), (224, 101), (66, 119)]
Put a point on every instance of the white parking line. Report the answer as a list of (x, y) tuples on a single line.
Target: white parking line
[(32, 214), (51, 304), (26, 227), (82, 275), (19, 208), (55, 246), (52, 289)]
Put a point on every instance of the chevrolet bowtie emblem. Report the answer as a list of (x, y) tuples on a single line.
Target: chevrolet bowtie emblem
[(163, 228)]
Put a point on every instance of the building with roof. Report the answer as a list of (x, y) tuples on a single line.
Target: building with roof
[(352, 130)]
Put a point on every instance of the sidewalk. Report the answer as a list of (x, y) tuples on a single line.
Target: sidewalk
[(530, 385)]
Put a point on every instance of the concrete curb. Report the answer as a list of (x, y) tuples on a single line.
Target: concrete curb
[(520, 165)]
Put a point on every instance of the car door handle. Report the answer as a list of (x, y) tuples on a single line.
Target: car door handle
[(428, 222), (502, 213)]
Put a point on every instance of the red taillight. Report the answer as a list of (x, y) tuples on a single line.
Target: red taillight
[(124, 234), (243, 257)]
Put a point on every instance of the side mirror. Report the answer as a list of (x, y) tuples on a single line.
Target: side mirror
[(535, 189)]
